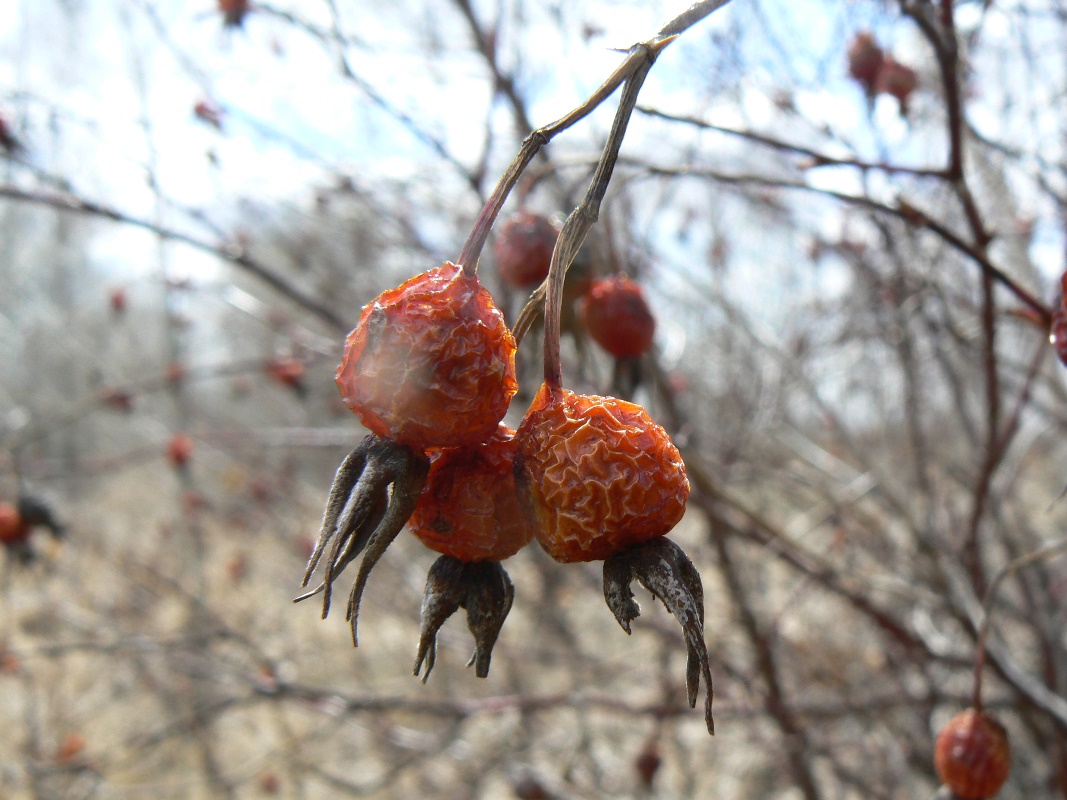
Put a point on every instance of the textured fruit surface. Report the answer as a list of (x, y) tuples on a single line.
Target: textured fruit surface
[(596, 475), (468, 508), (615, 313), (1058, 333), (12, 528), (523, 250), (864, 59), (972, 755), (431, 363)]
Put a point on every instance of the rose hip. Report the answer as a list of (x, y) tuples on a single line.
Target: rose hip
[(469, 509), (617, 316), (596, 475), (523, 249), (972, 755), (431, 363)]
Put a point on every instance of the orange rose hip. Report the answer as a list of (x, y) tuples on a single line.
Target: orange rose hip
[(430, 363), (468, 508), (972, 755), (596, 475)]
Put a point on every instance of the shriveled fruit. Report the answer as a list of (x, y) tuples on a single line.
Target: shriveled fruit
[(617, 316), (596, 475), (972, 755), (523, 249), (431, 363), (12, 527), (865, 59), (469, 509)]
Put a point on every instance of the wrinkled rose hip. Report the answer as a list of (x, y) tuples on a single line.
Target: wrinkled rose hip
[(430, 363), (596, 475)]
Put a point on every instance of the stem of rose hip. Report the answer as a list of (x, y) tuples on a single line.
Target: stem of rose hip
[(1049, 551), (639, 60), (588, 211)]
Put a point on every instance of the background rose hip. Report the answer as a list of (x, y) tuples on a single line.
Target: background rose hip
[(972, 755), (617, 316), (596, 475), (865, 59), (523, 249), (12, 527), (897, 80), (431, 363), (469, 509)]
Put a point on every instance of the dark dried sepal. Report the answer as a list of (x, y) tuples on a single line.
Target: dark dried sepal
[(363, 515), (664, 569), (483, 588)]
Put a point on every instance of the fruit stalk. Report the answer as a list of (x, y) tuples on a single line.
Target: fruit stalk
[(588, 211)]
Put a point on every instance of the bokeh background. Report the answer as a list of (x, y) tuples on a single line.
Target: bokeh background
[(853, 274)]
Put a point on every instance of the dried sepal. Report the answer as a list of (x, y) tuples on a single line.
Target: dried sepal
[(483, 588), (664, 569), (374, 492)]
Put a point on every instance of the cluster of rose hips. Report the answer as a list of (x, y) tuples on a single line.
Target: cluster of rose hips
[(613, 310), (878, 72), (430, 371)]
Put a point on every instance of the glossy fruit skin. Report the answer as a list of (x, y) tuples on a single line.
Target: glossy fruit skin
[(865, 59), (617, 316), (431, 363), (972, 755), (469, 509), (523, 249), (596, 475), (12, 527)]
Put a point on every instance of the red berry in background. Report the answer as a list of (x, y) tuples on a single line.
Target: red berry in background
[(469, 509), (897, 80), (12, 527), (286, 371), (1057, 335), (71, 748), (208, 112), (179, 449), (430, 363), (523, 249), (118, 398), (865, 60), (233, 11), (596, 475), (972, 755), (117, 300), (174, 373), (617, 316)]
